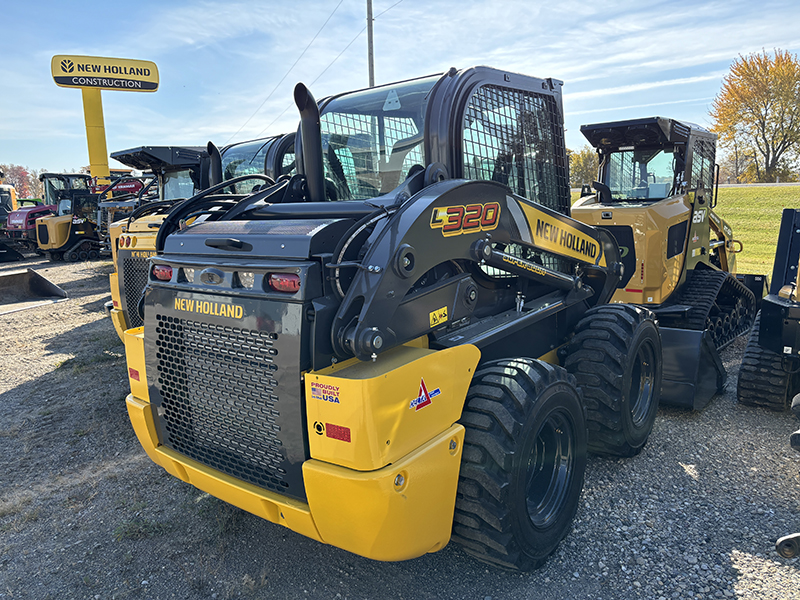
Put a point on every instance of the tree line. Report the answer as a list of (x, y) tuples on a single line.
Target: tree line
[(25, 180)]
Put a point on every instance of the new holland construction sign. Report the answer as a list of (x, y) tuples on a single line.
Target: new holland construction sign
[(120, 74)]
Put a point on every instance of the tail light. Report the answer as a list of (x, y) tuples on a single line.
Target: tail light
[(162, 272), (284, 282)]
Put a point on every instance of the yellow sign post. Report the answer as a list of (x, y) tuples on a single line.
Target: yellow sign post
[(92, 74)]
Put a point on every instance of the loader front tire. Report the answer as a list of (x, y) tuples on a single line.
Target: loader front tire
[(615, 356), (523, 463)]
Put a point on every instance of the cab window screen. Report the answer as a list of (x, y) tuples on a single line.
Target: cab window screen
[(514, 137)]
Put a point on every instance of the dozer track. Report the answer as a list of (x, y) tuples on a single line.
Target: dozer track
[(720, 304), (763, 380)]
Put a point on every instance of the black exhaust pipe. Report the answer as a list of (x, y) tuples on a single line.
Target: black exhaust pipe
[(215, 166), (311, 142)]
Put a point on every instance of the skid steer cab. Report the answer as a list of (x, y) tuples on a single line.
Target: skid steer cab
[(656, 193), (71, 233), (182, 172), (407, 341)]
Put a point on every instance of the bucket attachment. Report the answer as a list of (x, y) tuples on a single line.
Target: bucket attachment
[(25, 288), (8, 254), (693, 370)]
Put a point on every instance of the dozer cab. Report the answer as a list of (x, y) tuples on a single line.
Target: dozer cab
[(366, 352), (182, 172), (656, 194)]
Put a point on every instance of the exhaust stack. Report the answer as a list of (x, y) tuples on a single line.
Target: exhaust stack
[(215, 166), (311, 141)]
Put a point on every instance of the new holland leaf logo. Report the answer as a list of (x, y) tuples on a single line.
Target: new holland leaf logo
[(67, 66), (423, 398)]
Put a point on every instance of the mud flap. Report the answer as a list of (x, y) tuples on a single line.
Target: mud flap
[(25, 288), (693, 369)]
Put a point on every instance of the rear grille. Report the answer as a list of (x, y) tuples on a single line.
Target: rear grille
[(218, 396), (134, 275), (41, 231)]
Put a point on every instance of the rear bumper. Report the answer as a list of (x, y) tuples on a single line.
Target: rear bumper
[(394, 513)]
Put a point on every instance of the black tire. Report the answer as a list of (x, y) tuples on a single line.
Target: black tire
[(71, 256), (615, 356), (94, 254), (762, 379), (523, 464), (83, 255)]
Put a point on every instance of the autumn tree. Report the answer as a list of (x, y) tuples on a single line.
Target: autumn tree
[(582, 166), (25, 180), (19, 177), (757, 114)]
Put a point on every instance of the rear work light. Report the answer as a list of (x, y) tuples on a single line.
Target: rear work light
[(162, 272), (284, 282)]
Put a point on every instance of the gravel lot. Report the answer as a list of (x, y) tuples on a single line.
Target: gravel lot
[(85, 514)]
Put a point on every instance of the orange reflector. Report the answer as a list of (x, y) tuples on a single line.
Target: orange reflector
[(337, 432), (284, 282), (133, 373), (162, 272)]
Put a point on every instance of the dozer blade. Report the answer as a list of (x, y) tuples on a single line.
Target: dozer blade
[(693, 370), (8, 254), (25, 288)]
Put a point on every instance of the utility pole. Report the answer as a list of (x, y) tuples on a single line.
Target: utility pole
[(369, 45)]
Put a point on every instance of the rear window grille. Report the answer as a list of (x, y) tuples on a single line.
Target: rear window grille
[(363, 156), (134, 273), (219, 397), (515, 137)]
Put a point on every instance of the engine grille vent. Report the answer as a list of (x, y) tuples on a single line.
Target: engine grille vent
[(219, 399), (44, 236), (134, 273)]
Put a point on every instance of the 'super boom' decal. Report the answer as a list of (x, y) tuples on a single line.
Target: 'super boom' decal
[(470, 218)]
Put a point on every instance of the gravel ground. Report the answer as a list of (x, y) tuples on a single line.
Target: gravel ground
[(85, 514)]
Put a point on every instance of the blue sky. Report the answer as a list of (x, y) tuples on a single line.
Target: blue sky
[(219, 62)]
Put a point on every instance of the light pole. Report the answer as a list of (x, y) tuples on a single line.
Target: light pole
[(369, 45)]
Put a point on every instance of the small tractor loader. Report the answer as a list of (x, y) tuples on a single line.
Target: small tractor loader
[(656, 195), (21, 224), (367, 352), (770, 371), (182, 172)]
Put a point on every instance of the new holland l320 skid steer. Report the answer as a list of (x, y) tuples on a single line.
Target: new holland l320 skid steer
[(408, 340)]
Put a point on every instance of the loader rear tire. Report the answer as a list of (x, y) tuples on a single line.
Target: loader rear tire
[(523, 463), (762, 379), (615, 356)]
